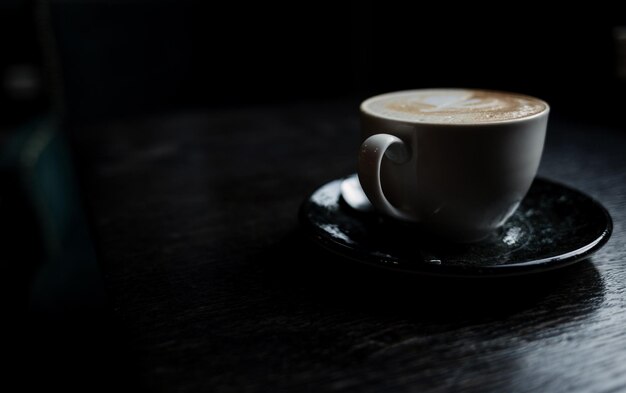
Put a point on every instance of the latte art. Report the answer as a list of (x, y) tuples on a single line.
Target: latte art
[(454, 106)]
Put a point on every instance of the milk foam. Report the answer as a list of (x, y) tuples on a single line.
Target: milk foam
[(454, 106)]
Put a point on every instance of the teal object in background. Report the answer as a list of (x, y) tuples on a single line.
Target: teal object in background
[(65, 278)]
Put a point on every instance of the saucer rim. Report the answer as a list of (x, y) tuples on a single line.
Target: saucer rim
[(534, 266)]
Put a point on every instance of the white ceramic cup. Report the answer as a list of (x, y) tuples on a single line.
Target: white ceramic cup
[(460, 180)]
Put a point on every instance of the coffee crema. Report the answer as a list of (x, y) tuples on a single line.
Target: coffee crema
[(454, 106)]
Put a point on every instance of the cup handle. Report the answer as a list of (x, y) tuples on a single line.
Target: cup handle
[(371, 154)]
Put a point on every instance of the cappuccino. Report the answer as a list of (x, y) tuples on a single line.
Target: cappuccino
[(453, 106), (457, 162)]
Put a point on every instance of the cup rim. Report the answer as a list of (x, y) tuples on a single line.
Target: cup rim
[(366, 111)]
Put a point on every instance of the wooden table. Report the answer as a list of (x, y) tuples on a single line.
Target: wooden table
[(215, 288)]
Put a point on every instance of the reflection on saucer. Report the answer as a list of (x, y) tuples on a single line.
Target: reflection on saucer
[(353, 194)]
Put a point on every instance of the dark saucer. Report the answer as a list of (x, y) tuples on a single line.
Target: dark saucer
[(554, 226)]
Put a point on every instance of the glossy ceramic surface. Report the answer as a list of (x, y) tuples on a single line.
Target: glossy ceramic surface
[(555, 226)]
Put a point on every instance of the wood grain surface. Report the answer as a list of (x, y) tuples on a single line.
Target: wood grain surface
[(216, 289)]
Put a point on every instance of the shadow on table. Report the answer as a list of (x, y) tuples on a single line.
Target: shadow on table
[(305, 272)]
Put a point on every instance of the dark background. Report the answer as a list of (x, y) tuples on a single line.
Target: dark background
[(93, 62), (142, 56), (114, 58)]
